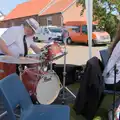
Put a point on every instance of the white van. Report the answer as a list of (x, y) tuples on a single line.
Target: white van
[(46, 33)]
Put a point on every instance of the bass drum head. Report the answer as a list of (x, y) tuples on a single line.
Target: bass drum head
[(48, 88)]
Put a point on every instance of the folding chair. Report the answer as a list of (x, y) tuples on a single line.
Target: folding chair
[(104, 57), (13, 93)]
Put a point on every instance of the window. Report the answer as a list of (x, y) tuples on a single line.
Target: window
[(55, 29), (39, 30), (49, 20), (74, 28), (96, 28), (46, 30), (12, 23), (84, 29)]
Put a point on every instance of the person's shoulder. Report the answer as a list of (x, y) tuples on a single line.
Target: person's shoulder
[(119, 42), (16, 27), (117, 45)]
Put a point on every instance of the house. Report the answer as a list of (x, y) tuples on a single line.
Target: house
[(1, 16), (46, 12)]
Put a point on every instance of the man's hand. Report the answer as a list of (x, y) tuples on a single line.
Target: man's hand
[(35, 48), (4, 48)]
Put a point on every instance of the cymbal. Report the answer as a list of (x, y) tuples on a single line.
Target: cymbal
[(18, 60)]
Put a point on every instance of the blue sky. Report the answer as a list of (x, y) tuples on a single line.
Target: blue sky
[(7, 5)]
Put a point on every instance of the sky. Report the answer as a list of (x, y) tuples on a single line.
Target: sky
[(7, 5)]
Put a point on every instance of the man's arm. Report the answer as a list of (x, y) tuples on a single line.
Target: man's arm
[(113, 59), (35, 48), (4, 49)]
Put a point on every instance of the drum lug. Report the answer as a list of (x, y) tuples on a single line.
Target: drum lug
[(35, 94), (30, 92), (37, 102)]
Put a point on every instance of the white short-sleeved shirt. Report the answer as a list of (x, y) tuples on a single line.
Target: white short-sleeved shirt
[(13, 38), (108, 72)]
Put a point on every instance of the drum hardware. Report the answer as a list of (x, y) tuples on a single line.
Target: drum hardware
[(47, 79), (37, 86), (20, 68), (1, 71), (64, 89)]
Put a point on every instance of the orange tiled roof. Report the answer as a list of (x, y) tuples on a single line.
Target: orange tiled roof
[(29, 8), (57, 6)]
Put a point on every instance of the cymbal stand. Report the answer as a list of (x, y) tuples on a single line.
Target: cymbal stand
[(64, 88), (20, 70)]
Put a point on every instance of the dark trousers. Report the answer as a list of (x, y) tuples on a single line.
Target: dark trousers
[(111, 86), (17, 68)]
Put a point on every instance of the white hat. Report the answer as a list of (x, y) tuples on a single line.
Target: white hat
[(33, 23)]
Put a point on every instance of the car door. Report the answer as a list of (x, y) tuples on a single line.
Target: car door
[(84, 34), (46, 34), (75, 33)]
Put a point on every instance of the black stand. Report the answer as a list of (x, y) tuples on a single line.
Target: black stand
[(64, 88)]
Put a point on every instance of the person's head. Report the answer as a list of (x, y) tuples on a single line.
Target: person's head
[(30, 26), (116, 40)]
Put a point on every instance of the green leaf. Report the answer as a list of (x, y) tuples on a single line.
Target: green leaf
[(103, 12)]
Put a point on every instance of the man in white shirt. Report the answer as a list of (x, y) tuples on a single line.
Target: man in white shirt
[(11, 41)]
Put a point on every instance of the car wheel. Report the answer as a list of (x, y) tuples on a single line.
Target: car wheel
[(69, 41), (93, 43)]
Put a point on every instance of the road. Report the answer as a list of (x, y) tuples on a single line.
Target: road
[(78, 54)]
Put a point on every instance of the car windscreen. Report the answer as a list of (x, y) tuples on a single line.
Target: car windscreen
[(96, 28), (55, 29)]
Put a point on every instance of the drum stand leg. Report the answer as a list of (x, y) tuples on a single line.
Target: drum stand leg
[(51, 69), (5, 113), (20, 70), (64, 88)]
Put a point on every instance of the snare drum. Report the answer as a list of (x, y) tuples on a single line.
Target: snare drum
[(43, 87), (43, 63)]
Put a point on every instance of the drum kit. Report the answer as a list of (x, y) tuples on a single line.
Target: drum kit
[(42, 84)]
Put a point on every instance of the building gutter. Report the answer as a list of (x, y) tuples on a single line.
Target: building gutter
[(69, 6), (46, 7)]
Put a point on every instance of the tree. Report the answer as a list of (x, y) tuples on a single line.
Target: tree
[(104, 11)]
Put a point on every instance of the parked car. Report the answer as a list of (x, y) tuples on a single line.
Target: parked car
[(78, 33), (46, 33)]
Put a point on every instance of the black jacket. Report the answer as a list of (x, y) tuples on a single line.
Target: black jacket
[(91, 89)]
